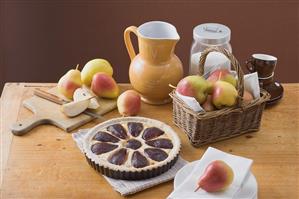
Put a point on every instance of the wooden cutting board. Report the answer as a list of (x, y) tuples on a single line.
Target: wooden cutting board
[(47, 112)]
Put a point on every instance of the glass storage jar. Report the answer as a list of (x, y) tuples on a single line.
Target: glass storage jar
[(209, 35)]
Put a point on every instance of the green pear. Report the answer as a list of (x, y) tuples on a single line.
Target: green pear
[(224, 94), (69, 82), (194, 86)]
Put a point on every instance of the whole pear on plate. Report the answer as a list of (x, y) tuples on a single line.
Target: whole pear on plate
[(194, 86), (224, 75), (217, 177), (224, 94), (69, 82), (129, 103), (94, 66), (104, 85)]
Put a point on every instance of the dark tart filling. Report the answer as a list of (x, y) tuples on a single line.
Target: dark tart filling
[(132, 144)]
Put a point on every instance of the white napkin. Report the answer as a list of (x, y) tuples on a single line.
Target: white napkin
[(251, 84), (191, 102), (241, 167), (126, 187)]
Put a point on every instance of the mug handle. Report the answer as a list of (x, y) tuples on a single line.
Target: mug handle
[(249, 65), (128, 41)]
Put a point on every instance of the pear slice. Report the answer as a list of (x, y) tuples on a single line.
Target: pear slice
[(93, 103), (74, 108), (82, 94)]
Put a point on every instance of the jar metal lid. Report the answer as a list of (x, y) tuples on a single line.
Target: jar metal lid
[(212, 33)]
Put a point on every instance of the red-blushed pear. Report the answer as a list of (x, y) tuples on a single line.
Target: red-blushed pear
[(217, 177), (247, 97), (194, 86), (129, 103), (69, 82), (208, 104), (95, 66), (224, 94), (104, 85), (224, 75)]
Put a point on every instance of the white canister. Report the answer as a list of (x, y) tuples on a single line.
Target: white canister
[(205, 36)]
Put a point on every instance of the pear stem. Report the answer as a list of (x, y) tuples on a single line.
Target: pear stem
[(171, 86), (197, 188), (220, 75), (77, 67)]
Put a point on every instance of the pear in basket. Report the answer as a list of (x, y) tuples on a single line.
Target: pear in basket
[(224, 75), (224, 94), (194, 86)]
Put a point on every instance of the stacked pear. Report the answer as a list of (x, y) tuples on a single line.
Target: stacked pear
[(95, 66), (69, 82), (96, 74), (104, 85), (217, 176)]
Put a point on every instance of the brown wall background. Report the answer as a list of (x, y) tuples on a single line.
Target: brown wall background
[(41, 40)]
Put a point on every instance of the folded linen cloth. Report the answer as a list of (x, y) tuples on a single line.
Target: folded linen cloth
[(191, 102), (241, 168), (126, 187)]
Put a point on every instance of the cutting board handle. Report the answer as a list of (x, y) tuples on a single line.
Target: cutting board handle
[(22, 127)]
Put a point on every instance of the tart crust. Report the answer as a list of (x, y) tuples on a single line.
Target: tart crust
[(126, 171)]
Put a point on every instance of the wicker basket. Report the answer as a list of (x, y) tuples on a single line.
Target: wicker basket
[(207, 127)]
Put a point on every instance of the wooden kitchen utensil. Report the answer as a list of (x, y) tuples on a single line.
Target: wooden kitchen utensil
[(47, 112)]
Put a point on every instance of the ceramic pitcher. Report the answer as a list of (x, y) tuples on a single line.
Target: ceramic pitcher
[(156, 66)]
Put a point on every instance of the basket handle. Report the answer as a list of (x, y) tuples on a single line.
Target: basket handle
[(234, 63)]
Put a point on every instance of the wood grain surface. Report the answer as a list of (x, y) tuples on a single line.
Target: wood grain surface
[(45, 163), (47, 112)]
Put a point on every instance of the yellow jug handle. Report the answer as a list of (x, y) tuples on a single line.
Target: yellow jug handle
[(128, 41)]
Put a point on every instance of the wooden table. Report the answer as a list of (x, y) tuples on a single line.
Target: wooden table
[(47, 164)]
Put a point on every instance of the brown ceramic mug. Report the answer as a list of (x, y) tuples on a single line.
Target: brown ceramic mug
[(263, 64)]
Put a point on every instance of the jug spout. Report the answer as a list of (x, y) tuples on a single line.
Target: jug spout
[(157, 41)]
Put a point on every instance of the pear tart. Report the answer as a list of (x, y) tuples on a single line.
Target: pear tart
[(132, 148)]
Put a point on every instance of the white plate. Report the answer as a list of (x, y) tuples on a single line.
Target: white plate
[(249, 185)]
